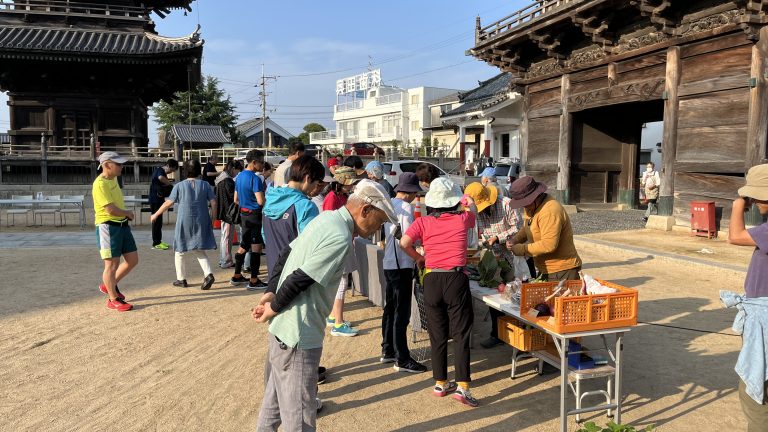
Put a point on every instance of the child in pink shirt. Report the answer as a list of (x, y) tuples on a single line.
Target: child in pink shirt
[(447, 298)]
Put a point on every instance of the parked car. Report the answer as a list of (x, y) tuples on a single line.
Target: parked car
[(393, 169), (269, 156), (363, 149), (505, 172)]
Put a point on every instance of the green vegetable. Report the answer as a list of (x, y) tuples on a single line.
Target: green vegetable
[(493, 272), (613, 427)]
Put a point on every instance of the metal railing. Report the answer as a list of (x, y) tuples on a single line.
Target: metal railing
[(349, 106), (516, 19), (80, 151), (324, 135), (389, 99), (65, 7)]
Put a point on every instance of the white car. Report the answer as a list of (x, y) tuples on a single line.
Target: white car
[(393, 169), (269, 156)]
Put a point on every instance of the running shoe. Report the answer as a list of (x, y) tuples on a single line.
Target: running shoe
[(161, 246), (411, 366), (444, 389), (180, 283), (119, 305), (330, 321), (387, 358), (259, 285), (208, 282), (344, 330), (465, 397), (103, 288), (237, 281)]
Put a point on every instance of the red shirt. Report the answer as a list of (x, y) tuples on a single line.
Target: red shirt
[(444, 239), (334, 201)]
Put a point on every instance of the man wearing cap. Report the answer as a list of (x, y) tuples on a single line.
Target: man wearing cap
[(249, 194), (753, 358), (301, 293), (375, 170), (398, 272), (547, 234), (112, 230), (488, 179)]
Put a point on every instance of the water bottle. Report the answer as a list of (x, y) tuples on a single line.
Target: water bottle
[(39, 196)]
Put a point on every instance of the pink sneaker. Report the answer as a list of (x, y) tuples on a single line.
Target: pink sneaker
[(443, 390), (119, 305)]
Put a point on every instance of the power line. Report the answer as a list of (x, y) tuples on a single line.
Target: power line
[(432, 70)]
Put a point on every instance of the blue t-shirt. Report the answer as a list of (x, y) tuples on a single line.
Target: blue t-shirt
[(756, 283), (247, 184)]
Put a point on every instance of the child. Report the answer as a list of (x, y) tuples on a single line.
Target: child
[(446, 286)]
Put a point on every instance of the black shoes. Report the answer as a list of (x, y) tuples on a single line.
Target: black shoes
[(207, 282), (491, 342), (411, 366), (320, 375), (180, 283)]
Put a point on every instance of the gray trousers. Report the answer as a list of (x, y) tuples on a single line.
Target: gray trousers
[(756, 414), (291, 389)]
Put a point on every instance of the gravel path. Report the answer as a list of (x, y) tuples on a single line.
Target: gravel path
[(595, 221)]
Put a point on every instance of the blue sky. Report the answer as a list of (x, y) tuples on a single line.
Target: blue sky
[(415, 43)]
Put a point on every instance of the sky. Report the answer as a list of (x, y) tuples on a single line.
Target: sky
[(308, 45)]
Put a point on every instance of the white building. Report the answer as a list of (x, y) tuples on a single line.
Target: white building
[(368, 111)]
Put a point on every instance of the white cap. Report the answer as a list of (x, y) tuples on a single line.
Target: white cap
[(375, 195), (111, 156), (442, 193)]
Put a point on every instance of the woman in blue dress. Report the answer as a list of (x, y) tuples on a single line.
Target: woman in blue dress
[(194, 230)]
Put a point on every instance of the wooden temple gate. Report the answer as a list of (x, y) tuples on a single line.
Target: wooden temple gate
[(594, 71)]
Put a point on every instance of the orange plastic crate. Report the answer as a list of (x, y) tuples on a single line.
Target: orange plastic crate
[(513, 332), (582, 313)]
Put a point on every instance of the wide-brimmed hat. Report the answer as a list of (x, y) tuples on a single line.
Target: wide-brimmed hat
[(345, 176), (443, 193), (524, 191), (757, 183), (408, 183), (484, 197), (111, 156)]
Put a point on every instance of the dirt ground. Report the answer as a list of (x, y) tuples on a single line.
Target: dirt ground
[(185, 359)]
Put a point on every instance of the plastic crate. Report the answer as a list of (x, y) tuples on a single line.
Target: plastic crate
[(513, 332), (582, 313)]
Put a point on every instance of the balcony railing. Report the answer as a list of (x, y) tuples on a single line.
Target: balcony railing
[(324, 135), (349, 106), (75, 9), (524, 15), (389, 99)]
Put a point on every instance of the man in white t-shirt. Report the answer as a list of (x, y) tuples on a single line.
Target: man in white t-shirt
[(283, 171), (398, 272)]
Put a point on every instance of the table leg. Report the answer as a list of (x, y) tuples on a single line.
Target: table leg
[(617, 395), (563, 384), (82, 216)]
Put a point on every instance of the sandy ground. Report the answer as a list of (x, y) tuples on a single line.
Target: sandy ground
[(185, 359)]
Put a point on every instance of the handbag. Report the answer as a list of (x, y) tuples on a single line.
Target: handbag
[(232, 215)]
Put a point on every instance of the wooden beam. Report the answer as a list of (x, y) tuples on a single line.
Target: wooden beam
[(669, 134), (524, 131), (564, 144), (757, 124)]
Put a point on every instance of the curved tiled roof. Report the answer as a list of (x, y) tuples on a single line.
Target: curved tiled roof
[(200, 133), (490, 92), (88, 41)]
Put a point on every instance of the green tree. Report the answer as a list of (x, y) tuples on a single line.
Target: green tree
[(308, 129), (209, 105)]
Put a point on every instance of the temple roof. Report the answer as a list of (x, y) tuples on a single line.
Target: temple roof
[(199, 133), (487, 94), (81, 42)]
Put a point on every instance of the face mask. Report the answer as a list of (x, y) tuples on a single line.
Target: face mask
[(649, 169)]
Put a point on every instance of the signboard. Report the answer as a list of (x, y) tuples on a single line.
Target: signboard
[(364, 81)]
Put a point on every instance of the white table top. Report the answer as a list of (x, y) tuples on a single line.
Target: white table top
[(44, 201)]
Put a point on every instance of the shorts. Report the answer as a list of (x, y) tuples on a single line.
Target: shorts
[(115, 241), (251, 224)]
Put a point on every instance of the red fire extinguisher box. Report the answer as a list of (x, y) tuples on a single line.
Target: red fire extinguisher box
[(703, 219)]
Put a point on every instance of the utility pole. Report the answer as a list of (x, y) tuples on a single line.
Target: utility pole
[(263, 94)]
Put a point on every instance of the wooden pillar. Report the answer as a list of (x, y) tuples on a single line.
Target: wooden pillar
[(757, 126), (669, 135), (524, 136), (564, 152), (462, 147), (136, 173)]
